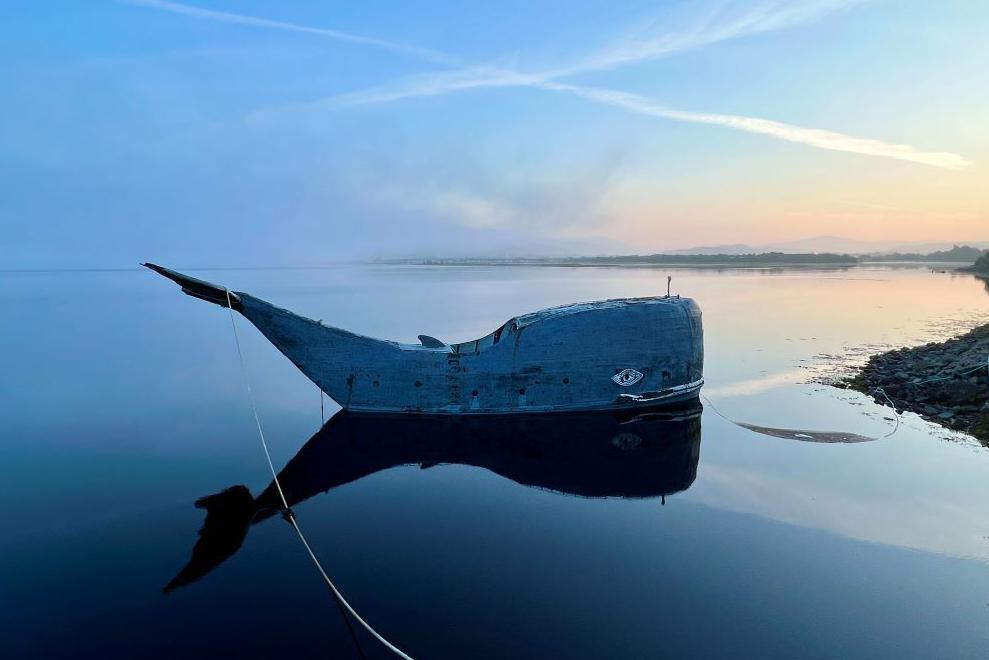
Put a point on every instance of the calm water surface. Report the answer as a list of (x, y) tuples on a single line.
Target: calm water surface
[(122, 404)]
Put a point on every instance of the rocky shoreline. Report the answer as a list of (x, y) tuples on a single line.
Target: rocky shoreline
[(946, 382)]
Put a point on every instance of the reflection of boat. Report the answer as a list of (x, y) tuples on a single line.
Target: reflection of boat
[(589, 455), (609, 355)]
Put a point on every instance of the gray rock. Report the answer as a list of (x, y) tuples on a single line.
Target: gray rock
[(964, 391)]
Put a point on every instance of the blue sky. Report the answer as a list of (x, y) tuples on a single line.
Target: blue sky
[(221, 132)]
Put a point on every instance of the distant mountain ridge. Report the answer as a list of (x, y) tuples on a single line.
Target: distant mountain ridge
[(832, 245), (956, 255)]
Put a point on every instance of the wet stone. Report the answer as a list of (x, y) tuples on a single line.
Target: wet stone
[(935, 381)]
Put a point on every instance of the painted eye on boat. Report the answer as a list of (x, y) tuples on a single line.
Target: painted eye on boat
[(627, 377)]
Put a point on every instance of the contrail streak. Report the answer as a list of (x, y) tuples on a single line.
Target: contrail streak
[(757, 19), (424, 54)]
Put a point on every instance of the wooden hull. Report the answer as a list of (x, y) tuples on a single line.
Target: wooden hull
[(614, 355), (611, 355)]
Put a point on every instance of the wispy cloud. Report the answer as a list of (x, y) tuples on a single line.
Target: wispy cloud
[(424, 54), (814, 137), (717, 26)]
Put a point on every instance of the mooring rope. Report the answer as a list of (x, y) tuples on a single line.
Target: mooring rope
[(965, 372), (954, 374), (896, 413), (250, 396), (287, 512), (748, 427)]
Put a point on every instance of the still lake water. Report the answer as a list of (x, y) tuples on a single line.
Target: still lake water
[(123, 404)]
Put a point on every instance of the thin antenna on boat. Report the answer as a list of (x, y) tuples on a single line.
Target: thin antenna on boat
[(669, 279)]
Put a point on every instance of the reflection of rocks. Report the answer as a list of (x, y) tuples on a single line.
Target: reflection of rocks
[(938, 381)]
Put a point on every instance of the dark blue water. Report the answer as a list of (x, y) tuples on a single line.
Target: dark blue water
[(689, 537)]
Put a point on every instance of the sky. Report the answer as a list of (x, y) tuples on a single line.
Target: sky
[(260, 132)]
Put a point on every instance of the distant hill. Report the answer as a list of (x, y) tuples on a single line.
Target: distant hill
[(832, 245), (762, 259), (737, 254), (734, 248), (710, 260), (958, 253)]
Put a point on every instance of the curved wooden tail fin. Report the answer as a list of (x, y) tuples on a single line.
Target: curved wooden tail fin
[(196, 288)]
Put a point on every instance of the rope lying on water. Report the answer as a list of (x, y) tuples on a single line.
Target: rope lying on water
[(896, 414), (288, 514)]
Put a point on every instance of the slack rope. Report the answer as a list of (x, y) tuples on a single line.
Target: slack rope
[(965, 372), (808, 436), (896, 413), (288, 513)]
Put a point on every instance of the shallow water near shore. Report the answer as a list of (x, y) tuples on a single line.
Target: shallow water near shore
[(124, 403)]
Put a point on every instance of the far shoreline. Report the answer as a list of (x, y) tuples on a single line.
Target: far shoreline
[(942, 266)]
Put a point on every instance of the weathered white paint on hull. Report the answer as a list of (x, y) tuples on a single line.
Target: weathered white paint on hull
[(609, 355)]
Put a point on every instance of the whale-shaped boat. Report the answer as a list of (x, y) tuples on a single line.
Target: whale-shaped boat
[(598, 455), (610, 355)]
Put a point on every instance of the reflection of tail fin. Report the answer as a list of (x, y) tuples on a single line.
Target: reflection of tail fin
[(228, 516), (197, 288)]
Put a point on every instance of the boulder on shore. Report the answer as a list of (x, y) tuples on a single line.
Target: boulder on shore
[(945, 382)]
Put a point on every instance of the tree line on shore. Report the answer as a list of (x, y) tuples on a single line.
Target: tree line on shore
[(981, 265), (961, 254)]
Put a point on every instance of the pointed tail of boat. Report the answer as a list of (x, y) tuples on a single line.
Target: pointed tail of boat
[(325, 354), (196, 288)]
